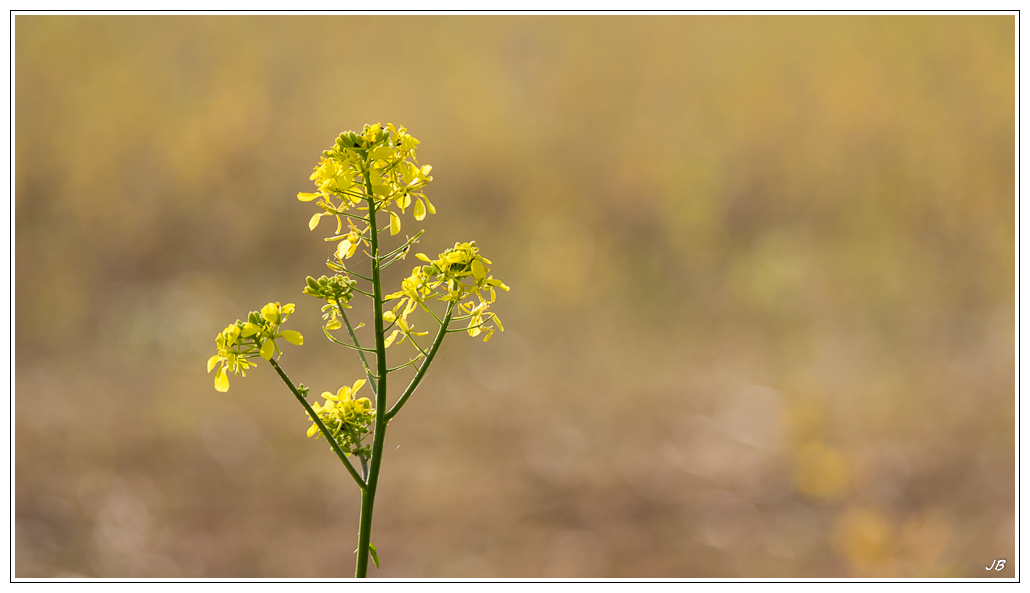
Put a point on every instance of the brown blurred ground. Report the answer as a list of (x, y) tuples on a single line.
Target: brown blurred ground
[(761, 321)]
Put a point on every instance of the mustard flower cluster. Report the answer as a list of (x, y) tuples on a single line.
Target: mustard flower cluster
[(244, 340), (456, 274), (379, 161), (346, 417)]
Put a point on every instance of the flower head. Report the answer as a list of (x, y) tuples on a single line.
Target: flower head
[(456, 274), (244, 340), (346, 417), (378, 165)]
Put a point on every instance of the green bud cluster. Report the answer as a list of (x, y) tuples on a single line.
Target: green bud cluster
[(337, 288), (337, 291)]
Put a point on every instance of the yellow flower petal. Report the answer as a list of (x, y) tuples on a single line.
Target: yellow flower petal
[(293, 337), (267, 349), (343, 249), (478, 271), (221, 380), (270, 312), (211, 362)]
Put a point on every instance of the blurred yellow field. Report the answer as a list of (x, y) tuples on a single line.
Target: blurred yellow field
[(762, 317)]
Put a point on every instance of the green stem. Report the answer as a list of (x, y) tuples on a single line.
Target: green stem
[(361, 353), (425, 365), (318, 422), (369, 493)]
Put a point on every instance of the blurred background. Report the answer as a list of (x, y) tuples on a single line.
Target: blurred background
[(761, 321)]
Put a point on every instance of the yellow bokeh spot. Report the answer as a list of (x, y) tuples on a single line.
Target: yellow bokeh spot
[(821, 472), (865, 538)]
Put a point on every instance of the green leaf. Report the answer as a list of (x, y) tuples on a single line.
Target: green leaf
[(371, 549), (293, 337)]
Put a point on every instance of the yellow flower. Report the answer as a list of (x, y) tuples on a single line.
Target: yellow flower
[(244, 340), (347, 418)]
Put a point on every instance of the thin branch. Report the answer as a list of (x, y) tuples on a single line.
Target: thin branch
[(335, 341), (361, 353), (409, 363), (406, 244), (425, 365), (449, 307), (478, 325), (364, 465), (342, 213), (318, 422), (415, 344), (359, 291), (352, 273)]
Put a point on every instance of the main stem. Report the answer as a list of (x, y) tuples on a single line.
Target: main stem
[(368, 494)]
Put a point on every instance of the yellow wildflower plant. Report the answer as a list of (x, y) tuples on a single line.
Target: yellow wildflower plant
[(370, 179)]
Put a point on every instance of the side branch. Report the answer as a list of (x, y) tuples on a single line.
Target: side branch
[(407, 245), (425, 364), (318, 422), (361, 353), (335, 341)]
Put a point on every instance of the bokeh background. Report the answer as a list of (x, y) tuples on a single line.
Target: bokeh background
[(761, 321)]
